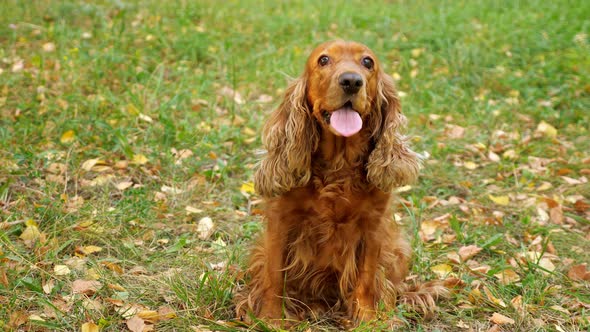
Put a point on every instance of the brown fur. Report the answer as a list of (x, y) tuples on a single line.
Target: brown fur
[(330, 243)]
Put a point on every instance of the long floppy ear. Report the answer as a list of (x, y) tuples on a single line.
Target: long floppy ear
[(391, 163), (290, 136)]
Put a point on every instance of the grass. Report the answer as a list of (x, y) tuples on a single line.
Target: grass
[(101, 102)]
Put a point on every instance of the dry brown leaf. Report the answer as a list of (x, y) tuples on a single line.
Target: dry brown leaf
[(17, 318), (123, 185), (48, 286), (231, 93), (135, 324), (501, 319), (493, 157), (87, 287), (88, 164), (454, 257), (467, 252), (579, 272), (454, 132), (507, 276)]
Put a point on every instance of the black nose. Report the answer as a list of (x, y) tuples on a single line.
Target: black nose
[(350, 82)]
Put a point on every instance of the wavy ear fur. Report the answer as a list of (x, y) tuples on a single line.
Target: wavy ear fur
[(290, 136), (391, 163)]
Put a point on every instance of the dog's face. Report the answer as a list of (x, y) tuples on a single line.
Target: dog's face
[(342, 85)]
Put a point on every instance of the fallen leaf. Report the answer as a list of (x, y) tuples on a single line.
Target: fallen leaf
[(92, 304), (205, 228), (579, 272), (171, 190), (61, 270), (189, 209), (113, 267), (88, 164), (31, 233), (139, 159), (556, 215), (493, 299), (510, 154), (123, 185), (454, 131), (67, 137), (89, 327), (166, 312), (507, 276), (501, 319), (48, 47), (470, 165), (500, 200), (546, 130), (544, 186), (247, 189), (48, 286), (87, 287), (467, 252), (442, 270), (151, 316), (492, 156), (88, 250), (231, 93), (135, 324), (560, 309)]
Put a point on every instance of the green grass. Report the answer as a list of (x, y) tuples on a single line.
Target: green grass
[(128, 82)]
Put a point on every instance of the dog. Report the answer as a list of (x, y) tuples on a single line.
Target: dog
[(334, 154)]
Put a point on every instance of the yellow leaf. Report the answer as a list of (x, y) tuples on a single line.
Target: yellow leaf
[(470, 165), (500, 200), (91, 249), (247, 188), (248, 131), (442, 270), (68, 137), (151, 316), (89, 327), (546, 129), (131, 109), (139, 159), (30, 234)]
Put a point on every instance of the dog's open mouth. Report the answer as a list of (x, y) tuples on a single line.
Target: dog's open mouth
[(344, 121)]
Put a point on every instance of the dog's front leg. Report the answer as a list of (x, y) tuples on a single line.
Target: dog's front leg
[(275, 245), (362, 304)]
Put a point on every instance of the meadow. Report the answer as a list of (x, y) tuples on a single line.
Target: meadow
[(129, 133)]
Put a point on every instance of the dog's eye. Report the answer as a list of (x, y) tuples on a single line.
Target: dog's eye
[(323, 60), (367, 62)]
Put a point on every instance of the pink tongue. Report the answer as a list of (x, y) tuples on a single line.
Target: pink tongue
[(346, 121)]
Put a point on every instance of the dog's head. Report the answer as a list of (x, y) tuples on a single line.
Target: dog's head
[(343, 90)]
